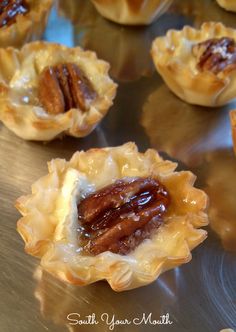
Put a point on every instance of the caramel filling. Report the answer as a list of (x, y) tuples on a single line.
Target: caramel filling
[(63, 87), (120, 216), (10, 9), (216, 54)]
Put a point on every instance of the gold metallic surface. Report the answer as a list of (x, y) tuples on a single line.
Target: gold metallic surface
[(199, 296)]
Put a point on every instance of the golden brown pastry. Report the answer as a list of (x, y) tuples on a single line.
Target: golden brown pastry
[(199, 66), (22, 21), (49, 90), (59, 300), (113, 214), (199, 12), (133, 12), (227, 4), (233, 127)]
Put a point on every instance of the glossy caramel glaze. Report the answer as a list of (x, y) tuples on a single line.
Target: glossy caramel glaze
[(10, 9), (120, 216)]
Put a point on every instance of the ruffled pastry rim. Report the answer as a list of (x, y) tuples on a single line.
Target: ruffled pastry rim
[(233, 127), (122, 14), (121, 272), (229, 5), (27, 27), (33, 122), (199, 88)]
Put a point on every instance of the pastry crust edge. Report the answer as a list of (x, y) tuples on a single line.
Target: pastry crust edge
[(25, 120), (229, 5), (201, 88), (120, 273), (121, 13)]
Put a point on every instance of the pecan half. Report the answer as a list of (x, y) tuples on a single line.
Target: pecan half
[(216, 54), (119, 217), (9, 9), (63, 87)]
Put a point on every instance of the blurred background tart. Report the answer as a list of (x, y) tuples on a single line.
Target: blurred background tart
[(22, 21)]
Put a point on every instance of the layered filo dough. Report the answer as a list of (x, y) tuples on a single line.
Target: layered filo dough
[(199, 66), (233, 127), (132, 12), (227, 4), (22, 21), (49, 90), (50, 224)]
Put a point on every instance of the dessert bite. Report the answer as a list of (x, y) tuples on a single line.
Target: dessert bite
[(199, 66), (114, 214), (49, 90)]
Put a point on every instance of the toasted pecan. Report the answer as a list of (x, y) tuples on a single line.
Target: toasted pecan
[(118, 217), (10, 9), (63, 87), (216, 54)]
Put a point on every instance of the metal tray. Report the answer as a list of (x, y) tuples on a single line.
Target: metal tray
[(199, 296)]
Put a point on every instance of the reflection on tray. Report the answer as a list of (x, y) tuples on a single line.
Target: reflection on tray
[(58, 300), (221, 166), (203, 11), (77, 11), (183, 131), (125, 48)]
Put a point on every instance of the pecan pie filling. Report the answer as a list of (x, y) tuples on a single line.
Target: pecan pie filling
[(10, 9), (216, 54), (119, 217), (63, 87)]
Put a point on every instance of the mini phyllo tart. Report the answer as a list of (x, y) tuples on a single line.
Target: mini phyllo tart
[(199, 66), (22, 21), (132, 12), (48, 89), (233, 127), (113, 214), (228, 4)]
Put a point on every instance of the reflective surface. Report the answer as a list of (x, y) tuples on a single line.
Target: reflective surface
[(199, 296)]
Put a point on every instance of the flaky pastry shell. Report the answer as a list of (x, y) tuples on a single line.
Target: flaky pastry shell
[(233, 127), (50, 218), (27, 27), (132, 12), (20, 109), (173, 58), (57, 299), (199, 12), (227, 4)]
